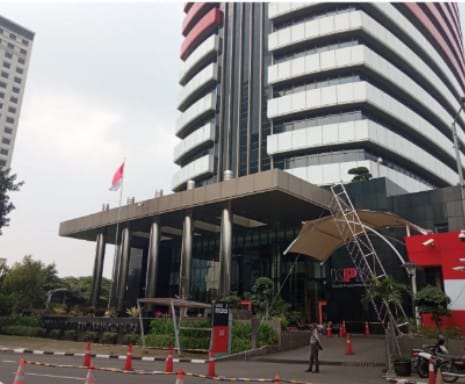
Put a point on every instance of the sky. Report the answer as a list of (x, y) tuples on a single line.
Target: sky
[(102, 87)]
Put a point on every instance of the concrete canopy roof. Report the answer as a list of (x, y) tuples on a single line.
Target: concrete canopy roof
[(271, 198)]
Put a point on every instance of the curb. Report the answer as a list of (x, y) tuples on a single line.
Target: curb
[(99, 356), (403, 381), (324, 362)]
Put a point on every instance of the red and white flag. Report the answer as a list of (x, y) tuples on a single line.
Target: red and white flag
[(117, 179)]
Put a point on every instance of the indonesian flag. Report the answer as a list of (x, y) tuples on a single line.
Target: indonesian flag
[(117, 179)]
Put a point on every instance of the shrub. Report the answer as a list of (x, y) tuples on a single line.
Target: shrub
[(69, 334), (195, 342), (108, 337), (238, 345), (162, 326), (131, 338), (89, 336), (20, 330), (266, 335), (433, 333), (55, 333), (164, 341), (25, 321), (241, 330)]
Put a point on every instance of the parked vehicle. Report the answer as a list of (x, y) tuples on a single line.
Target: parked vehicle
[(452, 367), (421, 356)]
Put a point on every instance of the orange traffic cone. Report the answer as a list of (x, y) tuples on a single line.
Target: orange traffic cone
[(90, 375), (128, 363), (328, 329), (169, 361), (431, 373), (19, 378), (367, 329), (277, 379), (86, 362), (341, 330), (348, 345), (211, 365), (180, 376), (344, 331)]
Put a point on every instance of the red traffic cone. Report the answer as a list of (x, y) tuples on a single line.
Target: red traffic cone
[(87, 355), (180, 376), (211, 365), (431, 373), (90, 375), (348, 345), (328, 329), (341, 330), (367, 329), (128, 363), (19, 378), (277, 379), (169, 361), (344, 331)]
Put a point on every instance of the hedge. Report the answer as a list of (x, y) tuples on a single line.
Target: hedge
[(20, 330)]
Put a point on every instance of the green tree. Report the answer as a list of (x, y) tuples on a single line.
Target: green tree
[(82, 286), (262, 295), (387, 288), (27, 283), (433, 300), (361, 174), (5, 301), (7, 184)]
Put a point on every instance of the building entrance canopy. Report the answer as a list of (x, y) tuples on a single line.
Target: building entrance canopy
[(320, 238)]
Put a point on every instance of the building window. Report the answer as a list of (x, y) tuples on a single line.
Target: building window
[(8, 55), (13, 99), (10, 120), (25, 42), (2, 84), (6, 140), (4, 151), (2, 95), (12, 36), (22, 51), (11, 109), (18, 80), (14, 89), (6, 64), (2, 162), (5, 74), (19, 70), (10, 45), (8, 130), (21, 60)]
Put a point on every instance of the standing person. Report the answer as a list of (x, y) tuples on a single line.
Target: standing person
[(315, 346)]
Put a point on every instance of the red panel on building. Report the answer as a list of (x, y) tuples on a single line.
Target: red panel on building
[(205, 25), (191, 14)]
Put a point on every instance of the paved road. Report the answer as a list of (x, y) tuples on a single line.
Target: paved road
[(35, 374)]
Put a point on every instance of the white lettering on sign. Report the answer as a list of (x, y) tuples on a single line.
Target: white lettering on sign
[(221, 310)]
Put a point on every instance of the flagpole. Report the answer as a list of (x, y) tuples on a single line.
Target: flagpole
[(115, 252)]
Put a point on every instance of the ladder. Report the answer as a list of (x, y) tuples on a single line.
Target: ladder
[(363, 255)]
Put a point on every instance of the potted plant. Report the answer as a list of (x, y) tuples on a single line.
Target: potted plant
[(402, 365), (433, 300)]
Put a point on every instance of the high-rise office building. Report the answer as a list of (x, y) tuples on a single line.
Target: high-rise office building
[(317, 89), (15, 52)]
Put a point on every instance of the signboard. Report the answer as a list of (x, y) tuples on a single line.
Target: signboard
[(346, 277), (221, 328)]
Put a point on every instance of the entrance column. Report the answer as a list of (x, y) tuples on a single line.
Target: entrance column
[(98, 267), (186, 252), (152, 261), (123, 269), (225, 252)]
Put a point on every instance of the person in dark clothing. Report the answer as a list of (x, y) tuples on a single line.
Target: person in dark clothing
[(315, 347)]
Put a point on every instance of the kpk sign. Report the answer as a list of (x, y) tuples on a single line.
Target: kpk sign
[(347, 277)]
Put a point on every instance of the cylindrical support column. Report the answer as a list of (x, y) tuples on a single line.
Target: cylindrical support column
[(123, 269), (186, 257), (152, 261), (98, 268), (225, 252), (115, 273)]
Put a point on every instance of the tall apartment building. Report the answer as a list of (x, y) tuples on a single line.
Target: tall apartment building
[(15, 52), (316, 89)]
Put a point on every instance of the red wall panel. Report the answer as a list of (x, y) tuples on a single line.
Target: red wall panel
[(193, 11), (211, 20)]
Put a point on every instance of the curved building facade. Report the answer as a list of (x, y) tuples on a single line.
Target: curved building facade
[(319, 88)]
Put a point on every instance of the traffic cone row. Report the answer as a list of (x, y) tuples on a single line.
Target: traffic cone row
[(367, 329), (169, 361), (128, 363), (87, 355), (348, 345), (90, 375), (19, 378)]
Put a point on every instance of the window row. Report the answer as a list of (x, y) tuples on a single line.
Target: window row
[(4, 85), (12, 36)]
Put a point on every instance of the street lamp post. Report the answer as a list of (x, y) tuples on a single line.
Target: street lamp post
[(457, 157), (411, 269)]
